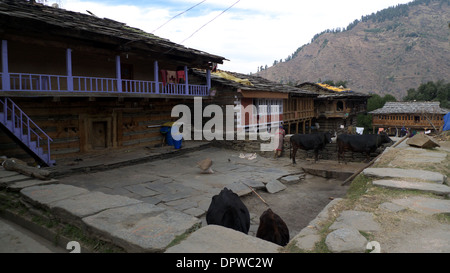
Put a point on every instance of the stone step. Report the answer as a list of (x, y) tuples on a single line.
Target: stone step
[(425, 205), (129, 223), (405, 174), (218, 239), (409, 185)]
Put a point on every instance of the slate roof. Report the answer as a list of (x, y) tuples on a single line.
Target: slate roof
[(410, 107), (258, 84), (20, 16), (332, 92)]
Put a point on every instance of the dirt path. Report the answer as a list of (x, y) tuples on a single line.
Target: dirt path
[(299, 203)]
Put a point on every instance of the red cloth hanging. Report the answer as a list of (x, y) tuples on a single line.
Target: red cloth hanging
[(181, 76), (164, 77)]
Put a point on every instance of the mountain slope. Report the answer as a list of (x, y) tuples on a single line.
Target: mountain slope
[(380, 54)]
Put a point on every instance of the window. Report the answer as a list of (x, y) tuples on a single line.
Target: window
[(339, 106)]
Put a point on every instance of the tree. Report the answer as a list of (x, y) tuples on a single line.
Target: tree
[(431, 91)]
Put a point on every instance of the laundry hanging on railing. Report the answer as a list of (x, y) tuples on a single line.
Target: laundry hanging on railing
[(181, 76), (164, 77), (169, 76)]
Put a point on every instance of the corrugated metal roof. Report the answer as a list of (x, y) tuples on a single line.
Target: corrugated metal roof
[(410, 107)]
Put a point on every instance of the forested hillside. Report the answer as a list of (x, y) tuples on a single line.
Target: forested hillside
[(387, 52)]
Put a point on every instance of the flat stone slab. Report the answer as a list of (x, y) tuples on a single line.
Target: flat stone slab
[(254, 184), (19, 185), (359, 220), (405, 173), (391, 207), (291, 178), (141, 227), (5, 181), (239, 188), (408, 185), (218, 239), (424, 205), (5, 173), (423, 156), (307, 242), (74, 208), (141, 190), (346, 240), (47, 194), (275, 186)]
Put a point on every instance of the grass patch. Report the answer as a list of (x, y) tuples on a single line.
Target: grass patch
[(443, 218), (183, 236), (358, 187), (10, 202)]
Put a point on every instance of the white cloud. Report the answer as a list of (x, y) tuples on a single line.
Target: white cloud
[(251, 34)]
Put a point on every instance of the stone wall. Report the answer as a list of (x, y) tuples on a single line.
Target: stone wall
[(328, 153)]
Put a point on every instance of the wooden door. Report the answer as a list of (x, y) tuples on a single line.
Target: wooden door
[(99, 135)]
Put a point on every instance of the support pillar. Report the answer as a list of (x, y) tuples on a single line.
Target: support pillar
[(69, 69), (118, 74), (186, 84), (6, 84), (208, 79), (156, 76)]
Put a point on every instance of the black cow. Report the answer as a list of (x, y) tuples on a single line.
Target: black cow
[(226, 209), (272, 228), (315, 141), (360, 143)]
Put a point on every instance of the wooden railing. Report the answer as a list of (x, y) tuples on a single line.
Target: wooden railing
[(58, 83), (25, 130)]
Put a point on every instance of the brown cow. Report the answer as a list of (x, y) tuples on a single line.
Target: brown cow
[(272, 228)]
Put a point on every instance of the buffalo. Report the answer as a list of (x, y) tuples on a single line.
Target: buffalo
[(226, 209), (272, 228), (360, 143), (314, 141)]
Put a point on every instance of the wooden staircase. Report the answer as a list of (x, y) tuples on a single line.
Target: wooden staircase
[(25, 132)]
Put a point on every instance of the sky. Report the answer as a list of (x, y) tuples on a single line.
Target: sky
[(250, 33)]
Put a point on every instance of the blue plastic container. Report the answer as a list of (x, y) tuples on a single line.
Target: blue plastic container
[(169, 138), (176, 136), (165, 130), (177, 143)]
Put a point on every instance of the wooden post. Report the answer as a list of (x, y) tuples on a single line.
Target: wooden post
[(186, 84), (118, 74), (69, 69), (6, 85), (156, 76), (208, 79)]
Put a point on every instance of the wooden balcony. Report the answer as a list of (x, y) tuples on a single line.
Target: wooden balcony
[(62, 85)]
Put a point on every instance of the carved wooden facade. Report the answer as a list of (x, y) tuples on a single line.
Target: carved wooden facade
[(413, 115), (257, 100), (91, 83), (335, 107)]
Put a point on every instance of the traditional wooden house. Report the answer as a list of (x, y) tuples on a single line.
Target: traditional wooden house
[(413, 115), (336, 107), (73, 83), (290, 105)]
